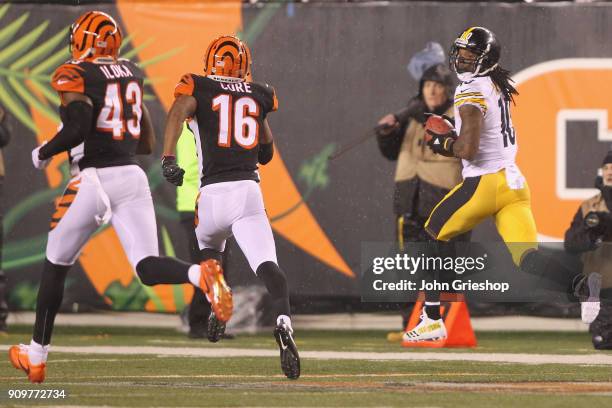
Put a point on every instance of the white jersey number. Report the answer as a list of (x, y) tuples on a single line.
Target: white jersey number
[(244, 124), (111, 118)]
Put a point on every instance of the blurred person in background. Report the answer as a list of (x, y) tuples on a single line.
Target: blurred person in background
[(5, 137), (197, 312), (422, 178), (589, 235)]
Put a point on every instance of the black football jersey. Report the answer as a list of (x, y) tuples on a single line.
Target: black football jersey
[(115, 88), (227, 124)]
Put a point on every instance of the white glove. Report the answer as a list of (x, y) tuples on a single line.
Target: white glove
[(589, 311), (39, 164)]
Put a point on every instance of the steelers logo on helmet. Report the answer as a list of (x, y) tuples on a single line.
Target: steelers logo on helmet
[(95, 34), (483, 44), (228, 59)]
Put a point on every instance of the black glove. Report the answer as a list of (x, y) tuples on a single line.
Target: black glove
[(442, 144), (171, 171)]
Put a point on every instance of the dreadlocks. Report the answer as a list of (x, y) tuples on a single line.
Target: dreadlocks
[(501, 78)]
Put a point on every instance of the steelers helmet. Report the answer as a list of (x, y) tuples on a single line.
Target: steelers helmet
[(228, 58), (482, 42), (95, 34)]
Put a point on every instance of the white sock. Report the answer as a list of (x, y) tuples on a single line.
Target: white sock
[(194, 274), (37, 353), (284, 319)]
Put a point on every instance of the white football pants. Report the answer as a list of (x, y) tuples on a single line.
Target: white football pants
[(235, 207), (120, 194)]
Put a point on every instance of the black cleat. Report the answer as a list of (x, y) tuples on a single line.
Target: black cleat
[(216, 328), (290, 359)]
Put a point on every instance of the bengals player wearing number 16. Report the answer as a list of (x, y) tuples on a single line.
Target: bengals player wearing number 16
[(104, 124), (227, 115)]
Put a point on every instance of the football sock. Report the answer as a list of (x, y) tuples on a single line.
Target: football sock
[(539, 264), (433, 310), (208, 253), (37, 353), (276, 283), (49, 300), (154, 270), (284, 319), (194, 273)]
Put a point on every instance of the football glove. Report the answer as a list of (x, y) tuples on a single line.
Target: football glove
[(37, 161), (442, 144), (171, 171)]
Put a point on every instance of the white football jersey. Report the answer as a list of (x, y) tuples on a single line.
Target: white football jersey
[(498, 144)]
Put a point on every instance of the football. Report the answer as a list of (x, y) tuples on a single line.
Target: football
[(437, 124)]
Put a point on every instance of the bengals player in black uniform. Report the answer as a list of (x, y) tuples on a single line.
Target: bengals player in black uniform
[(104, 124), (227, 115)]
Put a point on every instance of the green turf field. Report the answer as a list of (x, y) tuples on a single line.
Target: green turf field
[(157, 379)]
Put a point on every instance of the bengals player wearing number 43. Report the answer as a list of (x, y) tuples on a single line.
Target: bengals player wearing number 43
[(104, 124), (227, 115), (493, 185)]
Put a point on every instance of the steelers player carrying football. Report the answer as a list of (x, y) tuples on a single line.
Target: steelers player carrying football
[(227, 115), (104, 124), (493, 185)]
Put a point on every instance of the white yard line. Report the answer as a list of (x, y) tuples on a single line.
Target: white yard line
[(516, 358), (334, 321)]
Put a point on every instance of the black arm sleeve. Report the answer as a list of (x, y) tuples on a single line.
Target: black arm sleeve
[(5, 135), (74, 129), (389, 145), (266, 151), (577, 237)]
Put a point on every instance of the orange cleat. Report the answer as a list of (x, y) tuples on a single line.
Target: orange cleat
[(20, 360), (216, 290)]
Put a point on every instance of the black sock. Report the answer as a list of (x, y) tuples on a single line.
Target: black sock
[(276, 283), (155, 270), (199, 310), (49, 300), (432, 310), (538, 264), (208, 253)]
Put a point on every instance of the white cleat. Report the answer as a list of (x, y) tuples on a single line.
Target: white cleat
[(589, 311), (427, 330), (588, 290)]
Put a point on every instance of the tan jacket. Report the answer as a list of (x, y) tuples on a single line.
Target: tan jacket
[(416, 159), (1, 164), (599, 260)]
